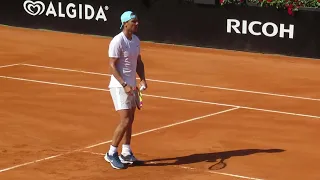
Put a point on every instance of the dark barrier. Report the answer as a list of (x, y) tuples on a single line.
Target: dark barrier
[(256, 29)]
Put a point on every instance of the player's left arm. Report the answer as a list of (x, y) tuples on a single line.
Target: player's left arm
[(141, 72)]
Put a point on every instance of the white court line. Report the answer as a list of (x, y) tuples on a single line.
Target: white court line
[(109, 141), (28, 163), (52, 83), (180, 83), (230, 105), (9, 65), (63, 69), (191, 168), (165, 97)]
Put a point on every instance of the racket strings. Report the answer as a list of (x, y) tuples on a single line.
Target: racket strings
[(138, 98)]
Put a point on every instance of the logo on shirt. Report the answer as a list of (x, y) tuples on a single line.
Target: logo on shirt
[(66, 10)]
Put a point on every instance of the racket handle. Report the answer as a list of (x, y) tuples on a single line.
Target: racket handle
[(142, 88)]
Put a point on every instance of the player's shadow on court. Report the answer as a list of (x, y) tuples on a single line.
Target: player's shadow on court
[(218, 159)]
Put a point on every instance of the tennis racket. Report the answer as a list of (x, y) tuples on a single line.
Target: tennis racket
[(138, 97)]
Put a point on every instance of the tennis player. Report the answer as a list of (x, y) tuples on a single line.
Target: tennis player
[(125, 62)]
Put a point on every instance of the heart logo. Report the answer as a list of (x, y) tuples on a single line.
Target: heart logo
[(34, 8)]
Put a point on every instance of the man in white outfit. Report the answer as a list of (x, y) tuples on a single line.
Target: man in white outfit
[(125, 61)]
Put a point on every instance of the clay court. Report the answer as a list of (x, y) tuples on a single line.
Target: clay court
[(208, 114)]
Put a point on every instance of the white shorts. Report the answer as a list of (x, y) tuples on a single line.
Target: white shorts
[(121, 99)]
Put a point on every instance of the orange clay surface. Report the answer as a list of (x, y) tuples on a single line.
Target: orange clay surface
[(45, 112)]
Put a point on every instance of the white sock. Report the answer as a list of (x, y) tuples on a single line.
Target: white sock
[(112, 150), (126, 150)]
